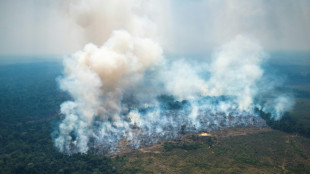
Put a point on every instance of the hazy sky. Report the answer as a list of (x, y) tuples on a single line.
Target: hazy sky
[(34, 27)]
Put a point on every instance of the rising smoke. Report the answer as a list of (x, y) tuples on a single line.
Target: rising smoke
[(127, 90)]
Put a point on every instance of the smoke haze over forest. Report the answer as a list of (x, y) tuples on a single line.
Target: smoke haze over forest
[(124, 80), (154, 86), (139, 70)]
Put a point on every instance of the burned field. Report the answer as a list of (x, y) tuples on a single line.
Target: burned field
[(237, 150)]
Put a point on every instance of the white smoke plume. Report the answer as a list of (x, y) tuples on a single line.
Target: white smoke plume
[(127, 91)]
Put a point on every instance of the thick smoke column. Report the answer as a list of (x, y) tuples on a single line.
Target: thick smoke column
[(96, 79), (127, 91)]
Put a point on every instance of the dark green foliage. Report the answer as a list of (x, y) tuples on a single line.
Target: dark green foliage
[(29, 100), (207, 140), (30, 92), (287, 124), (183, 129), (168, 146), (28, 148), (170, 103), (195, 143)]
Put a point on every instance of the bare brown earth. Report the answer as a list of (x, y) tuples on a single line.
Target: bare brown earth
[(218, 135)]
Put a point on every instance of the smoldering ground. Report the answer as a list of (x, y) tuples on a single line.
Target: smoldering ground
[(129, 90)]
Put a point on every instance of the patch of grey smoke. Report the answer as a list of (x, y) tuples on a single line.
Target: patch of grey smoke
[(127, 91)]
